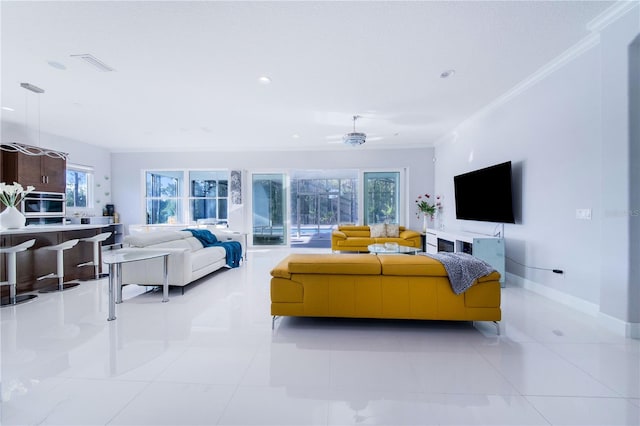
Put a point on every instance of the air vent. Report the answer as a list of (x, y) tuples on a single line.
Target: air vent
[(90, 59)]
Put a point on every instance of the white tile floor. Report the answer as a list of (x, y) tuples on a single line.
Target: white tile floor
[(210, 358)]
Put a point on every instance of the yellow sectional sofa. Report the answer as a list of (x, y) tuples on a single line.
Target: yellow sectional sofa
[(357, 238), (386, 286)]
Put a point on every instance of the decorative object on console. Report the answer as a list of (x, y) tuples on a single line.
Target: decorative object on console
[(11, 196), (354, 138), (427, 209)]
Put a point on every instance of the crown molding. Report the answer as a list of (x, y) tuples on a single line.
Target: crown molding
[(611, 14), (545, 71), (595, 26)]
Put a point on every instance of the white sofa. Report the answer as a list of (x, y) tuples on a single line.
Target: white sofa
[(188, 261)]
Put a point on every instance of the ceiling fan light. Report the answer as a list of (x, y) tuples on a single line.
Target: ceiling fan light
[(354, 138)]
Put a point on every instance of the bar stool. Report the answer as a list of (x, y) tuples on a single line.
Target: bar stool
[(12, 276), (95, 240), (59, 274)]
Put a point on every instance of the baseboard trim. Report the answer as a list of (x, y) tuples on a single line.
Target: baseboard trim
[(550, 293), (627, 329), (633, 330)]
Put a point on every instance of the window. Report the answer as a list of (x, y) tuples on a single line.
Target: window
[(381, 197), (209, 196), (79, 179), (163, 202), (186, 197)]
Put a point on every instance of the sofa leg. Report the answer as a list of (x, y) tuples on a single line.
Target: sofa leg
[(497, 324), (273, 321)]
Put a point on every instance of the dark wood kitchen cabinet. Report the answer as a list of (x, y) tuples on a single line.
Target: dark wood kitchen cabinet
[(43, 172)]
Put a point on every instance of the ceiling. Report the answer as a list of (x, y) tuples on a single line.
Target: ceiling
[(186, 73)]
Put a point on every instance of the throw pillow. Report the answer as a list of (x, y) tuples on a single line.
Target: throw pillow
[(377, 230), (392, 230)]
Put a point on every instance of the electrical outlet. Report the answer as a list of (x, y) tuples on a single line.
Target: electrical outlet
[(584, 214)]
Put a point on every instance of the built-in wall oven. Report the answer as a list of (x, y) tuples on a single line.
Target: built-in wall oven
[(41, 208)]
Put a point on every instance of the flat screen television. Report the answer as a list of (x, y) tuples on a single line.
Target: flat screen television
[(485, 194)]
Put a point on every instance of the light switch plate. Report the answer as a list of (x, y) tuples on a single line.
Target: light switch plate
[(584, 214)]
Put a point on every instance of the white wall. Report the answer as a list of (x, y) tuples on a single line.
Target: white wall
[(79, 153), (619, 287), (567, 136), (634, 177), (128, 167)]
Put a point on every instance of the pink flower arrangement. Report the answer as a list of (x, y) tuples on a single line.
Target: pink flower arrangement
[(427, 208)]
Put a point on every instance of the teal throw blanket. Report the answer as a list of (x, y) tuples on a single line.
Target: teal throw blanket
[(233, 249)]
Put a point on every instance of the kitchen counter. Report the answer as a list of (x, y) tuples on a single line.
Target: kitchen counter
[(37, 229), (37, 261)]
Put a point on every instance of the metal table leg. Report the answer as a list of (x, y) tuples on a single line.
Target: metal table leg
[(119, 283), (112, 299), (165, 276)]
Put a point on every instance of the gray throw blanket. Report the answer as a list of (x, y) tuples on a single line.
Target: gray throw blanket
[(463, 269)]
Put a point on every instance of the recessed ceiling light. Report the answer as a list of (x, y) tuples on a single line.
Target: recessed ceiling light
[(8, 109), (295, 136), (57, 65), (447, 73), (264, 80)]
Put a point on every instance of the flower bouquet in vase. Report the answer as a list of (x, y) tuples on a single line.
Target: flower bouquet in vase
[(427, 209), (11, 196)]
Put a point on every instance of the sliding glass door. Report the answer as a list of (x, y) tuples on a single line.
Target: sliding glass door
[(320, 200), (303, 209), (269, 209)]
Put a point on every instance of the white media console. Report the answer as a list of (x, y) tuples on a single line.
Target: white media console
[(489, 249)]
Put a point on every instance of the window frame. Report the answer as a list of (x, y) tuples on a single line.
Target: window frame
[(183, 199), (217, 176), (89, 173), (400, 193)]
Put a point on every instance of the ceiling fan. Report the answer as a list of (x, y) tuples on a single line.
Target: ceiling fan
[(354, 138)]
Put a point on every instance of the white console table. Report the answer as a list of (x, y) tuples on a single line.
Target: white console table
[(489, 249)]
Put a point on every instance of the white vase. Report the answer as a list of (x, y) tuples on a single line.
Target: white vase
[(425, 221), (12, 218), (437, 221)]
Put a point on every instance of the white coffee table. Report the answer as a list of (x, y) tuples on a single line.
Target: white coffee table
[(115, 259)]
